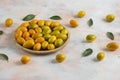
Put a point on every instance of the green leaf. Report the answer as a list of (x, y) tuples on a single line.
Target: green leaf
[(56, 17), (90, 22), (29, 17), (87, 52), (4, 57), (1, 32), (110, 35)]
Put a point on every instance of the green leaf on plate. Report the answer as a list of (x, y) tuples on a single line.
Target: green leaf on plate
[(110, 35), (87, 52), (90, 22), (56, 17), (29, 17), (1, 32), (3, 57)]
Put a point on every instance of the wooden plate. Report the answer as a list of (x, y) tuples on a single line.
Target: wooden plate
[(45, 51)]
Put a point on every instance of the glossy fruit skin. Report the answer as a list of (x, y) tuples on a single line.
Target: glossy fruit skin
[(44, 44), (100, 56), (112, 46), (48, 22), (46, 31), (38, 30), (34, 21), (25, 24), (60, 57), (60, 27), (20, 40), (26, 34), (110, 18), (39, 39), (62, 36), (36, 35), (33, 26), (59, 42), (54, 24), (41, 23), (73, 23), (47, 36), (52, 39), (23, 29), (51, 46), (25, 59), (37, 47), (31, 31), (8, 22), (18, 33), (90, 38), (28, 38), (81, 14), (28, 44), (64, 31), (55, 32)]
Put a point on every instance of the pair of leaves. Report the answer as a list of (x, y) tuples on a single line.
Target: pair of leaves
[(109, 34), (4, 57), (87, 52), (32, 16)]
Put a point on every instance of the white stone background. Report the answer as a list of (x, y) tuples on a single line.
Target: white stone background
[(74, 67)]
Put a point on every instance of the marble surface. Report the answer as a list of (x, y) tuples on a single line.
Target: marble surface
[(74, 67)]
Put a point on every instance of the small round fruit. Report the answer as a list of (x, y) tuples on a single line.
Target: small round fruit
[(28, 44), (20, 40), (41, 22), (32, 31), (34, 21), (51, 46), (33, 26), (62, 36), (112, 46), (52, 39), (26, 34), (54, 24), (28, 38), (60, 58), (81, 14), (36, 35), (48, 22), (8, 22), (74, 23), (90, 38), (47, 36), (110, 17), (59, 42), (60, 27), (23, 29), (100, 56), (37, 47), (18, 33), (25, 24), (44, 44), (64, 31), (46, 31), (55, 32), (25, 59), (39, 39), (38, 30)]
